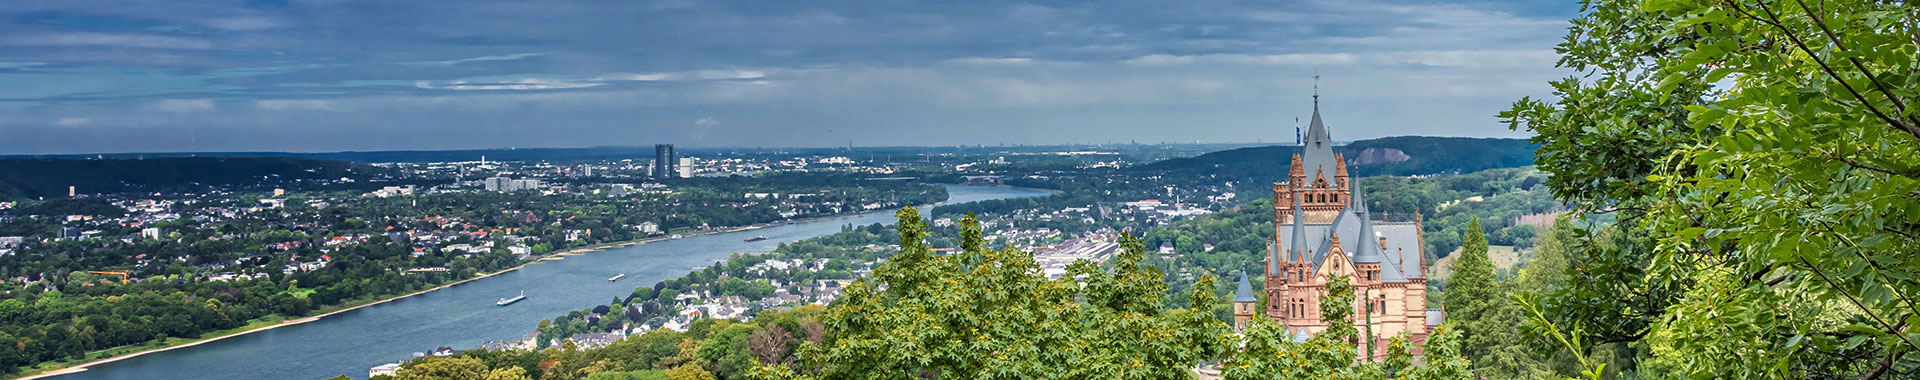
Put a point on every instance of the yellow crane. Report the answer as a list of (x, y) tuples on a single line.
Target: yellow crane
[(122, 274)]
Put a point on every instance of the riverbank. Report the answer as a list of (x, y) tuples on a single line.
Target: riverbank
[(111, 355), (244, 330)]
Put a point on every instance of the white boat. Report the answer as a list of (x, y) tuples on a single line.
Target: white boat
[(617, 277), (510, 301)]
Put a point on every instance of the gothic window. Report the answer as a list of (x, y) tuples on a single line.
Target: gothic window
[(1336, 197)]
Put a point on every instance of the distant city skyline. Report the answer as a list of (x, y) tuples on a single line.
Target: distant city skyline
[(323, 76)]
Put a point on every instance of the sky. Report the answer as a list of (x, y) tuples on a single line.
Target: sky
[(87, 76)]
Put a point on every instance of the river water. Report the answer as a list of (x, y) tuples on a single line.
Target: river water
[(464, 316)]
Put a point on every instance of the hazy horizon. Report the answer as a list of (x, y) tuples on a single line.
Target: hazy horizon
[(325, 76)]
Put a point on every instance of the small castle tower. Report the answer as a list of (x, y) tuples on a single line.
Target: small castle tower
[(1243, 303)]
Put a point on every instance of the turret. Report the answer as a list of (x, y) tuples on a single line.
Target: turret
[(1367, 256), (1243, 303)]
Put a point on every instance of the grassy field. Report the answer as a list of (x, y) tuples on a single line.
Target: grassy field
[(1504, 257)]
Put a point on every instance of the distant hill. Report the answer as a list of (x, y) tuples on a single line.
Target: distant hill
[(503, 154), (1402, 155), (51, 177)]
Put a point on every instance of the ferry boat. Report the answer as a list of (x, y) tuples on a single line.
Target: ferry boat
[(756, 238), (617, 277), (510, 301)]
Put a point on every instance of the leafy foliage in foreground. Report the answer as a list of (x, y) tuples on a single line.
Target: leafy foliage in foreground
[(1765, 158), (986, 313)]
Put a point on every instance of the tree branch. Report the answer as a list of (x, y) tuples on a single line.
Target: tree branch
[(1898, 107), (1856, 302), (1773, 20), (1857, 164), (1882, 368), (1878, 270)]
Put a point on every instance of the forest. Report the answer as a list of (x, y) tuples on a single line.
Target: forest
[(34, 178), (1422, 155)]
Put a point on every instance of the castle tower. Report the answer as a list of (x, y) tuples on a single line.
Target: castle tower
[(1318, 175)]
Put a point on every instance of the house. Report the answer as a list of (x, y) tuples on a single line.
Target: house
[(500, 345), (391, 191), (388, 369), (595, 340), (444, 351), (529, 342)]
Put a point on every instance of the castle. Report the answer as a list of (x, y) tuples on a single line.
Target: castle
[(1321, 228)]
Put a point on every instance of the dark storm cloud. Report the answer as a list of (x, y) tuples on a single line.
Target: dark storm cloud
[(86, 76)]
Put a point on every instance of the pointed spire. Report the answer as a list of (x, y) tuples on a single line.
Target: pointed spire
[(1245, 292), (1357, 203), (1317, 135), (1298, 252), (1275, 258), (1316, 150), (1369, 251)]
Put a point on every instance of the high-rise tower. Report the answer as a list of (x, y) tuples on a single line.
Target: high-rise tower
[(663, 161)]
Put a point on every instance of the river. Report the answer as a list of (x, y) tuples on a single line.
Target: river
[(464, 316)]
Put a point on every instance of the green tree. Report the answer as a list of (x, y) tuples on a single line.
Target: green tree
[(991, 313), (649, 374), (1268, 352), (1547, 270), (1443, 358), (507, 373), (1770, 152), (689, 372), (443, 368), (1336, 309), (1476, 305)]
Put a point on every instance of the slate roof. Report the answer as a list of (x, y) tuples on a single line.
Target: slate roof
[(1316, 153), (1368, 253), (1245, 292), (1400, 260)]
